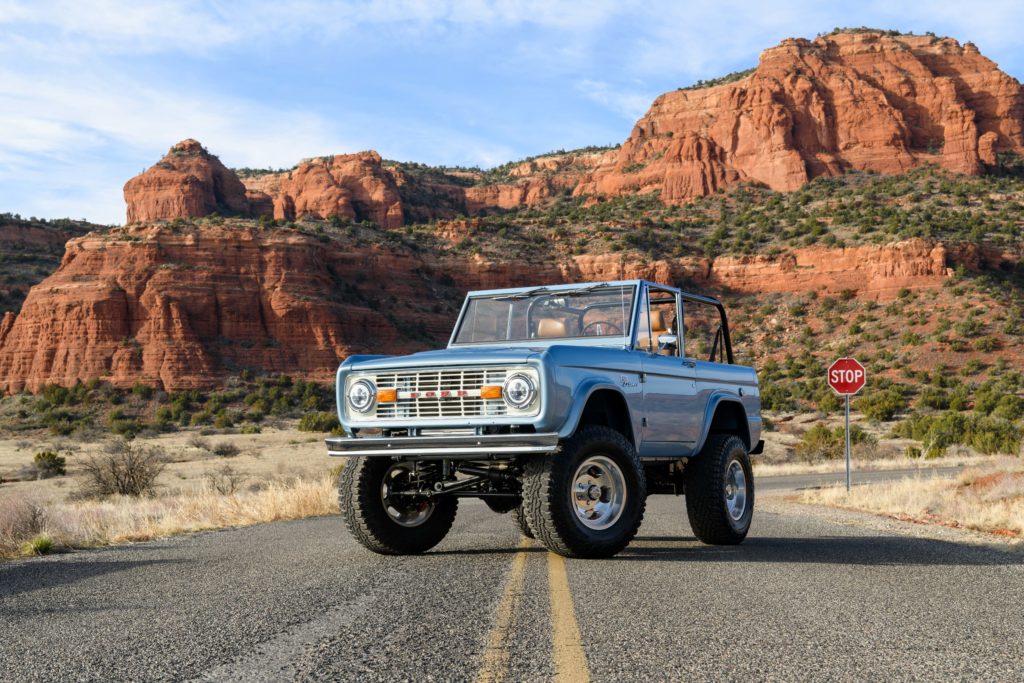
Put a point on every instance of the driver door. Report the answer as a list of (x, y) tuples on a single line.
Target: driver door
[(672, 414)]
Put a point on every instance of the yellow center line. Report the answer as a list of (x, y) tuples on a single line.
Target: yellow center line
[(566, 647), (496, 655)]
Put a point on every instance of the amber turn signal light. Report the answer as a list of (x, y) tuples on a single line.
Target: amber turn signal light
[(387, 395), (490, 392)]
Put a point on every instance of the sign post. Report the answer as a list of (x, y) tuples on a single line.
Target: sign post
[(847, 376)]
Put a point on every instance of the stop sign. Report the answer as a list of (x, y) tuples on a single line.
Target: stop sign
[(846, 376)]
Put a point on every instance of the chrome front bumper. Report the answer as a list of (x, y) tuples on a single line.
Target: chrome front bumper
[(453, 446)]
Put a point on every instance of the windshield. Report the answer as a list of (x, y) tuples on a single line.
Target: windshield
[(589, 311)]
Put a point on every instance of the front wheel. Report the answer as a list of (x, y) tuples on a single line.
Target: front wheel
[(720, 491), (382, 510), (588, 500), (519, 515)]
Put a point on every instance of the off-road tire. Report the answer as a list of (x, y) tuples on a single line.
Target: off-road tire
[(519, 515), (706, 504), (546, 496), (370, 524)]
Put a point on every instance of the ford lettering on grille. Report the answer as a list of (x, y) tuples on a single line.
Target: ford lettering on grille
[(441, 393)]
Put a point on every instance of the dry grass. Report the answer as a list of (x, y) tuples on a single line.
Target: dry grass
[(121, 519), (989, 499)]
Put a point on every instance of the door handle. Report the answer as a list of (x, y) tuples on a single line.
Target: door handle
[(689, 363)]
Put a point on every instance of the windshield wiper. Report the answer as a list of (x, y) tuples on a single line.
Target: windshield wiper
[(584, 290), (522, 295)]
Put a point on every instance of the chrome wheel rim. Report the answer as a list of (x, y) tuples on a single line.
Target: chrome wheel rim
[(736, 490), (408, 511), (598, 493)]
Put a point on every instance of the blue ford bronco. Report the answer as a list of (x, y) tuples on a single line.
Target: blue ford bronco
[(565, 406)]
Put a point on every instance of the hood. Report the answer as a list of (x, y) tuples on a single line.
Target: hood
[(457, 356)]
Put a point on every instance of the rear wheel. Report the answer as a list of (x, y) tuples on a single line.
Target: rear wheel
[(589, 500), (381, 509), (720, 491)]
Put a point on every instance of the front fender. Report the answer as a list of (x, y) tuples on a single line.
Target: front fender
[(717, 399), (339, 385), (584, 390)]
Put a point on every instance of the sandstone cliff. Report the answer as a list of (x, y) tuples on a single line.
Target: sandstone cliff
[(865, 101), (185, 307)]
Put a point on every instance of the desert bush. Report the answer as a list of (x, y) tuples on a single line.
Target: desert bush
[(250, 429), (932, 397), (318, 422), (124, 468), (20, 520), (142, 390), (821, 443), (226, 449), (224, 480), (197, 441), (881, 405), (938, 432), (49, 464)]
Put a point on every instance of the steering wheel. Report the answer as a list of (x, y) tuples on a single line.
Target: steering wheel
[(602, 328)]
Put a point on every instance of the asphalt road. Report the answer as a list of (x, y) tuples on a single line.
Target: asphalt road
[(796, 482), (807, 596)]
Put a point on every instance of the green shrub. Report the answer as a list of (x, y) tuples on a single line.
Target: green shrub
[(49, 464), (142, 390), (820, 442), (318, 422), (938, 432), (934, 398), (1010, 407), (37, 545), (882, 404), (250, 429)]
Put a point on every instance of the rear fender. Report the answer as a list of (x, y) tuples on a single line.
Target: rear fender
[(732, 420)]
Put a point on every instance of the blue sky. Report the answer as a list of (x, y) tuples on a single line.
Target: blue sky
[(94, 92)]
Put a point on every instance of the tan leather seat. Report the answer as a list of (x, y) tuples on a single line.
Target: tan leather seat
[(657, 328), (549, 328)]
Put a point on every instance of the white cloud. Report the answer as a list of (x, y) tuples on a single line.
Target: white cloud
[(630, 104), (90, 93)]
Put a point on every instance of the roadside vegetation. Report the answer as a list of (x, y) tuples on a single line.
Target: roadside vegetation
[(989, 499), (88, 411), (30, 527)]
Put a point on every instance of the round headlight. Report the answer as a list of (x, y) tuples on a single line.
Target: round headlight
[(361, 395), (519, 391)]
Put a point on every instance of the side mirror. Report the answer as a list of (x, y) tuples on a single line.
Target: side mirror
[(667, 341)]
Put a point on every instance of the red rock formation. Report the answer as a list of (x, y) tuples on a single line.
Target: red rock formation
[(184, 307), (352, 186), (188, 181), (5, 326), (865, 101), (187, 307)]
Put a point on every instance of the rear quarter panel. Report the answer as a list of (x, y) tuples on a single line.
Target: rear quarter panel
[(717, 382)]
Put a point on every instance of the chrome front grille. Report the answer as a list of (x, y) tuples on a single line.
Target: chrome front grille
[(438, 394)]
